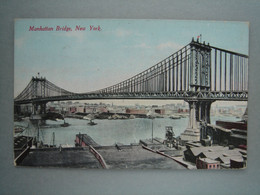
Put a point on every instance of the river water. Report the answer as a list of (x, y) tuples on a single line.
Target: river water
[(109, 132)]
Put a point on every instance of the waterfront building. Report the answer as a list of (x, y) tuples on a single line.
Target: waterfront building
[(160, 111), (206, 163), (102, 109), (225, 156), (80, 109), (135, 111), (72, 109)]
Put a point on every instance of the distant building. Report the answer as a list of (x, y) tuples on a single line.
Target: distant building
[(180, 110), (81, 109), (136, 111), (72, 109), (102, 109), (90, 109), (160, 111)]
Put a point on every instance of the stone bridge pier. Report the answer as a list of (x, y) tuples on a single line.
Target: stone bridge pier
[(39, 108), (199, 113)]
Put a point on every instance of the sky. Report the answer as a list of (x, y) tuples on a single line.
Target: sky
[(88, 60)]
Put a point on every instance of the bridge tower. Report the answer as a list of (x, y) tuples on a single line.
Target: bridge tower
[(200, 70), (38, 91)]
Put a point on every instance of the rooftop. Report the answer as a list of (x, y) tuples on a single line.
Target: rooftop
[(219, 153), (208, 160)]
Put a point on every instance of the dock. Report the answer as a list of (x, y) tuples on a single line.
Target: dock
[(89, 154), (135, 157), (61, 157), (85, 140)]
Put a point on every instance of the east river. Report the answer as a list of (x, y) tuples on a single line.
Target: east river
[(109, 132)]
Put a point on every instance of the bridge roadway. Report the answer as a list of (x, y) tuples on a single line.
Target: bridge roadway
[(179, 95)]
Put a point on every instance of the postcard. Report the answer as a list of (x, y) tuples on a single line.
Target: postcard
[(130, 94)]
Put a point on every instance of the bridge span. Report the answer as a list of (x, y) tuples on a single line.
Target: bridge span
[(198, 73)]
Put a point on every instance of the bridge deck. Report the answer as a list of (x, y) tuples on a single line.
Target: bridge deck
[(181, 95)]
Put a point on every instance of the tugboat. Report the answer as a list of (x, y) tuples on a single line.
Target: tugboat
[(65, 124), (92, 123)]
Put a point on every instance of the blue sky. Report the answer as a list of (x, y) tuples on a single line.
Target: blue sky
[(90, 60)]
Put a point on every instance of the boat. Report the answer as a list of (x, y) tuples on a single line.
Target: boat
[(92, 123), (89, 117), (132, 116), (175, 117), (65, 124)]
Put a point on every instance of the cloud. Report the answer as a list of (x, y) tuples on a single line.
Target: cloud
[(124, 33), (143, 45), (169, 45), (75, 34), (79, 36)]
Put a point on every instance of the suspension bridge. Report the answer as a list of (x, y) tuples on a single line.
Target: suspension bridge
[(197, 73)]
